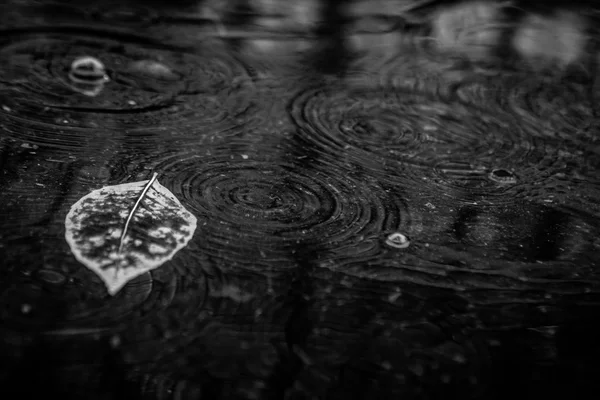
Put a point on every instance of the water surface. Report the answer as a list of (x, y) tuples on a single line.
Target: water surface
[(301, 138)]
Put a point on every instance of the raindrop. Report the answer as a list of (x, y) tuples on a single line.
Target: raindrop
[(503, 176), (89, 71), (397, 240)]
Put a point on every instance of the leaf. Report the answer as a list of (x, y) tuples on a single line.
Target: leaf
[(123, 231)]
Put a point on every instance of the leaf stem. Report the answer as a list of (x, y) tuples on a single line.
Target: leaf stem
[(135, 207)]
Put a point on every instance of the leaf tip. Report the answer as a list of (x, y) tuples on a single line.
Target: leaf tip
[(114, 287)]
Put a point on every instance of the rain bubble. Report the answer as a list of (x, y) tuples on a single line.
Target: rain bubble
[(88, 71), (503, 176), (397, 240)]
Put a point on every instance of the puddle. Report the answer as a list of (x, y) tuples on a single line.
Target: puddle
[(392, 200)]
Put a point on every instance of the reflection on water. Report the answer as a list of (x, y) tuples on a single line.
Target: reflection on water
[(394, 198)]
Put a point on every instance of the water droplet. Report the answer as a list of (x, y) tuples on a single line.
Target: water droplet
[(503, 176), (397, 240), (89, 71)]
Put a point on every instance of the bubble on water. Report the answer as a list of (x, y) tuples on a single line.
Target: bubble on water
[(88, 70), (503, 176), (88, 76), (397, 240)]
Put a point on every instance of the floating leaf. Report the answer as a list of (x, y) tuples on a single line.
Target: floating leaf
[(123, 231)]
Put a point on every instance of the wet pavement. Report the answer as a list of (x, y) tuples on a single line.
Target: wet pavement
[(382, 212)]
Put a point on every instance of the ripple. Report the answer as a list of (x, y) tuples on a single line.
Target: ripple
[(272, 209), (240, 312), (43, 127), (397, 240), (430, 142), (560, 106), (503, 176), (384, 330), (544, 106), (58, 296), (466, 182), (207, 89), (400, 125), (35, 303), (523, 247)]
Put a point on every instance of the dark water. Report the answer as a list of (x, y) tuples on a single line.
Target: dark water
[(301, 138)]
